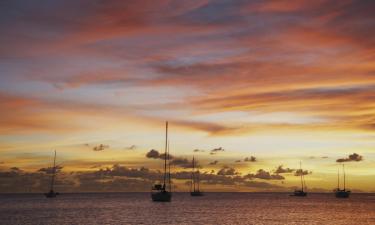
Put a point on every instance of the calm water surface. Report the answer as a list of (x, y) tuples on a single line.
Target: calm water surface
[(214, 208)]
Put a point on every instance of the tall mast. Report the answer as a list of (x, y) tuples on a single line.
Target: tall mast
[(343, 168), (191, 181), (193, 174), (300, 167), (165, 153), (53, 171), (198, 177), (338, 179), (169, 170)]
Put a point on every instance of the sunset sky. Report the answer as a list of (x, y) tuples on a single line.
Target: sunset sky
[(282, 81)]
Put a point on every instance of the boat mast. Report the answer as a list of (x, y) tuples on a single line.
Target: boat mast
[(338, 179), (193, 174), (198, 181), (300, 168), (169, 170), (191, 181), (165, 154), (53, 171), (343, 168)]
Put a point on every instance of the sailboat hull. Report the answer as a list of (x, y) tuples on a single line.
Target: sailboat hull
[(163, 196), (342, 194), (196, 193), (51, 194), (299, 194)]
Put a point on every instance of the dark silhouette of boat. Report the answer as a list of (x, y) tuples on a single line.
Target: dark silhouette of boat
[(301, 192), (160, 192), (52, 193), (341, 193), (195, 180)]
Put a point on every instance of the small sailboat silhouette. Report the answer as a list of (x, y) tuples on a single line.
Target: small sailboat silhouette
[(160, 192), (195, 181), (301, 192), (341, 193), (52, 193)]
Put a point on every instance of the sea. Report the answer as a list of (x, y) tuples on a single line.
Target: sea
[(213, 208)]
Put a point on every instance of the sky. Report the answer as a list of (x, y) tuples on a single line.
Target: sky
[(250, 88)]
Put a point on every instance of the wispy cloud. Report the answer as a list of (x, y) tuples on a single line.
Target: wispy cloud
[(131, 147), (216, 150), (100, 147)]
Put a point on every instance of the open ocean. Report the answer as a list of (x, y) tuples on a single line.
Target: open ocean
[(214, 208)]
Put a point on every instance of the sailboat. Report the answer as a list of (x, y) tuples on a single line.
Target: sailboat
[(195, 180), (301, 192), (52, 193), (160, 192), (341, 193)]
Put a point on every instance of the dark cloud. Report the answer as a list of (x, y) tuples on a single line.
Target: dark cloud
[(238, 161), (162, 156), (300, 172), (250, 159), (184, 163), (280, 169), (118, 170), (351, 158), (227, 171), (13, 172), (49, 170), (214, 162), (16, 180), (122, 178), (264, 175), (198, 150), (216, 150), (154, 154), (100, 147)]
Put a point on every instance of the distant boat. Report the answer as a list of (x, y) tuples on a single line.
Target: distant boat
[(160, 192), (301, 192), (341, 193), (52, 193), (195, 180)]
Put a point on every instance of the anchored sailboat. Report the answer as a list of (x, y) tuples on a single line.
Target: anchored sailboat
[(341, 193), (52, 193), (302, 192), (195, 180), (160, 192)]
